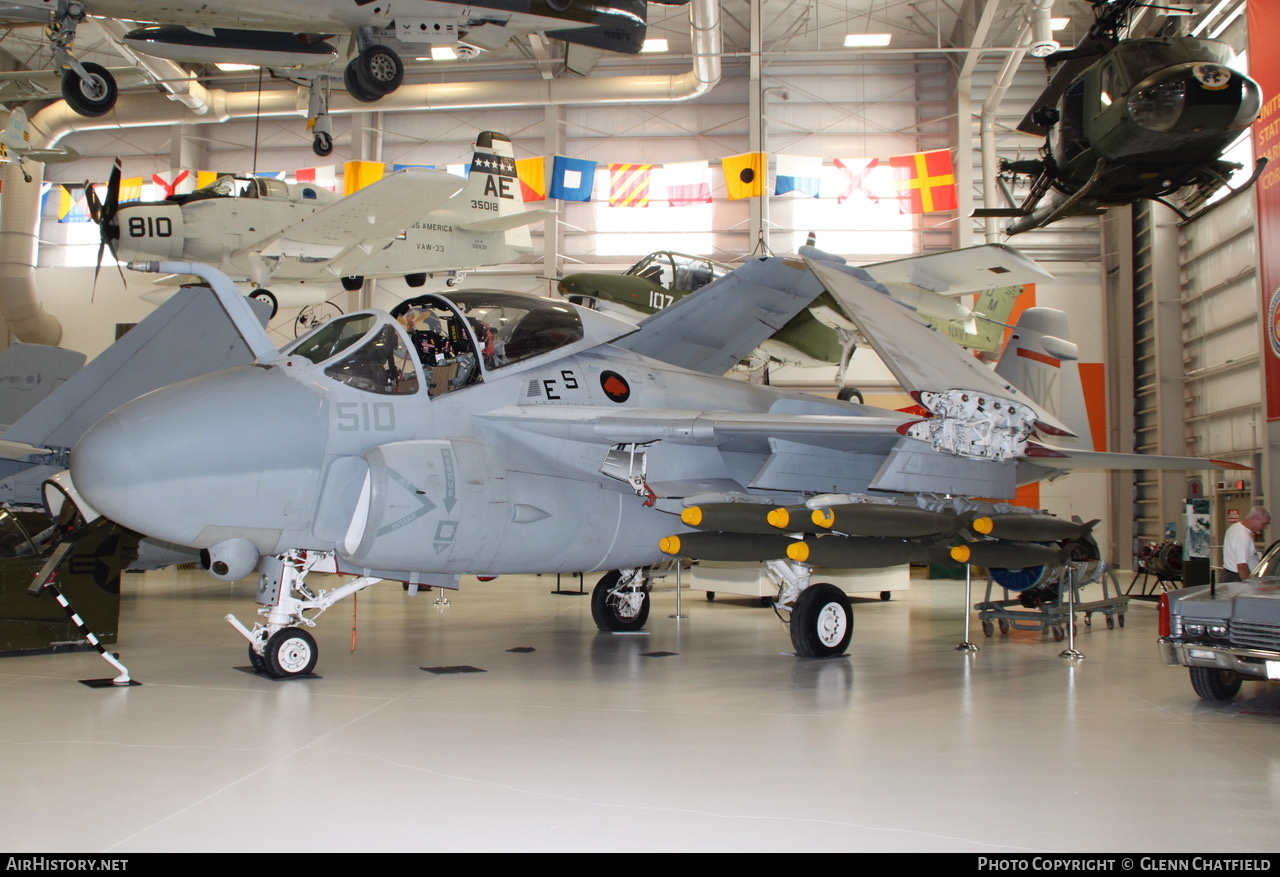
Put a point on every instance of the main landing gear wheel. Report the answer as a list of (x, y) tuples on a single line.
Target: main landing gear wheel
[(615, 606), (258, 662), (1214, 684), (269, 297), (378, 69), (291, 651), (356, 88), (90, 96), (821, 622)]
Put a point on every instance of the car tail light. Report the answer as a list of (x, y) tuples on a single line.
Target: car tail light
[(1164, 615)]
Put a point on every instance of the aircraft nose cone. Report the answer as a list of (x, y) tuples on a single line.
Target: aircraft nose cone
[(235, 453)]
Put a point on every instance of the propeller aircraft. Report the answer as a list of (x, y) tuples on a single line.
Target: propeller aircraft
[(491, 432), (15, 145), (1128, 119), (288, 240)]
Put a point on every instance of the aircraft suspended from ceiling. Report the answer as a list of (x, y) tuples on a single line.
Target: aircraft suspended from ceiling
[(291, 241), (296, 35), (1131, 119)]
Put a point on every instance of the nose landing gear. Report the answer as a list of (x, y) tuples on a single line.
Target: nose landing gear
[(283, 648)]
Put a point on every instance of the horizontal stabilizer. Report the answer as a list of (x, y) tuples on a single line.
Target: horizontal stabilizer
[(504, 223)]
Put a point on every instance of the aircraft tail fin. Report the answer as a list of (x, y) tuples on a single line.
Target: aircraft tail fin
[(984, 330), (17, 133), (492, 200), (1041, 360)]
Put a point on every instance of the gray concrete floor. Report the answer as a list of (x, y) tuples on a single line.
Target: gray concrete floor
[(586, 743)]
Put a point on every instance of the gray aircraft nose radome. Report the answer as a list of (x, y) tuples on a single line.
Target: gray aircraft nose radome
[(234, 453)]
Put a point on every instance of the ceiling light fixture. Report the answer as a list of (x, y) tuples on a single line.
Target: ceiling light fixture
[(858, 40)]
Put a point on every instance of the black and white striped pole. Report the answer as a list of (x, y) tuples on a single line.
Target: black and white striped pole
[(45, 580)]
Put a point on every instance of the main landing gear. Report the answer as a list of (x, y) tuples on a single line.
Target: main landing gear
[(283, 648), (88, 88), (620, 600), (821, 620), (821, 615)]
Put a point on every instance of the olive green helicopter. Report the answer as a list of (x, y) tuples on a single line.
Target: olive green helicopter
[(1126, 119)]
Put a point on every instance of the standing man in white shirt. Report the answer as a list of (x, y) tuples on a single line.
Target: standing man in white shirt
[(1239, 555)]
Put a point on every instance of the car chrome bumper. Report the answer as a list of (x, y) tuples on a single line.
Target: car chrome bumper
[(1247, 662)]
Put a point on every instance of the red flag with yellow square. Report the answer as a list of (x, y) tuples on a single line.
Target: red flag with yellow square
[(926, 181)]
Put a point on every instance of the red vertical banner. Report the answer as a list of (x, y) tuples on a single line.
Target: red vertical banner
[(1264, 64)]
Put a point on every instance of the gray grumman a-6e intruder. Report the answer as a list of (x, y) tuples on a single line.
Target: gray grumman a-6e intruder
[(486, 432)]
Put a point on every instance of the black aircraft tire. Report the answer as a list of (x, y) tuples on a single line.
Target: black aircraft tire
[(291, 651), (352, 282), (356, 88), (605, 608), (322, 144), (1214, 684), (269, 297), (821, 622), (91, 97), (379, 70)]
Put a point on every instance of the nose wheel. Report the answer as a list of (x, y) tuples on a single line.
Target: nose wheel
[(290, 652), (283, 648)]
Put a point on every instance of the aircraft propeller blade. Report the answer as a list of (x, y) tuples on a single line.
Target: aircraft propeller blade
[(104, 214)]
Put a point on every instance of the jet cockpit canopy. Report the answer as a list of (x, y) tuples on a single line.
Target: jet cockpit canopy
[(453, 340)]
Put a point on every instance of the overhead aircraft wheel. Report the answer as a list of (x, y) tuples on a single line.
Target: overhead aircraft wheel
[(613, 609), (291, 651), (821, 622), (269, 297), (259, 663), (356, 88), (322, 144), (1214, 684), (416, 280), (987, 628), (352, 283), (850, 394), (379, 70), (92, 96)]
